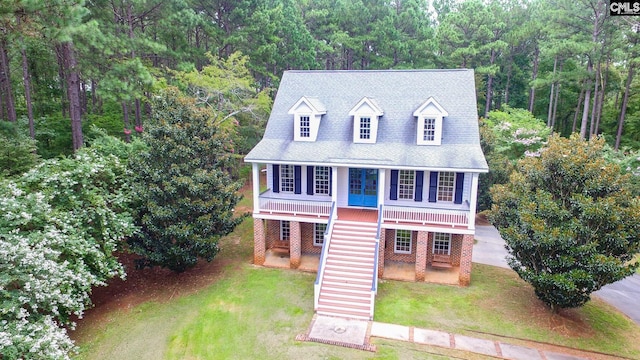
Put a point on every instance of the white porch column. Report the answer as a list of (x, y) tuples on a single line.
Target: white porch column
[(473, 201), (382, 176), (334, 184), (255, 180)]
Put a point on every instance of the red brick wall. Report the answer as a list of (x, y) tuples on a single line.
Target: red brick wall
[(307, 230), (258, 242), (390, 255), (272, 232), (456, 249)]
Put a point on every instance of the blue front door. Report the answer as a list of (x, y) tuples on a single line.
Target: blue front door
[(363, 187)]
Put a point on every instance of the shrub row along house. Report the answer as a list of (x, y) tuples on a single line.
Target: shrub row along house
[(363, 175)]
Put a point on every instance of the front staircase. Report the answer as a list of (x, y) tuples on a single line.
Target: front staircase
[(346, 284)]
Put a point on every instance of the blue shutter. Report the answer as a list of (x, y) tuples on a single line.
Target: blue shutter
[(330, 180), (393, 195), (309, 180), (297, 179), (276, 178), (459, 186), (433, 186), (419, 184)]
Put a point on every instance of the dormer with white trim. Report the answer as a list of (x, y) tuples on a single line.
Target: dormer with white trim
[(366, 115), (307, 113), (429, 129)]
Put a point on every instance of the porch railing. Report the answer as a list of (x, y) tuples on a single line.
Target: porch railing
[(295, 207), (323, 254), (374, 281), (406, 214)]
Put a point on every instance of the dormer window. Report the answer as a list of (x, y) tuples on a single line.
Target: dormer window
[(307, 113), (366, 115), (430, 115), (305, 127), (365, 128)]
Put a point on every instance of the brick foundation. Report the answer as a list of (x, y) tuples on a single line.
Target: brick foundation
[(391, 255), (259, 247), (381, 252), (295, 244), (422, 249), (465, 260)]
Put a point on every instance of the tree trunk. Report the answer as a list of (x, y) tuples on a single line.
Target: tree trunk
[(27, 92), (575, 114), (534, 76), (487, 105), (623, 110), (555, 108), (553, 83), (62, 76), (73, 92), (587, 101), (5, 82), (603, 86), (594, 107), (127, 130)]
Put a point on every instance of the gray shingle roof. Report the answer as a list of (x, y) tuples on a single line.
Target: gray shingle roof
[(398, 93)]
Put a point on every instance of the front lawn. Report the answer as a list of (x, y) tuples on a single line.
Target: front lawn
[(255, 312)]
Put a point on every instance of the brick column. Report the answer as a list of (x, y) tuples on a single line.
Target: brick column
[(383, 241), (259, 247), (295, 244), (465, 260), (421, 254)]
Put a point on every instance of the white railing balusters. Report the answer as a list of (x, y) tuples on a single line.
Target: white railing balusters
[(425, 215)]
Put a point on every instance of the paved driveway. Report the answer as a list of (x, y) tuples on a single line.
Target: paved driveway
[(624, 294)]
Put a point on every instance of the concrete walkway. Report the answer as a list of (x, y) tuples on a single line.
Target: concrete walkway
[(623, 295), (357, 334), (489, 249)]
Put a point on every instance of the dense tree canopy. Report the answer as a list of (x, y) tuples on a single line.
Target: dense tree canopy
[(568, 63), (569, 221), (187, 198)]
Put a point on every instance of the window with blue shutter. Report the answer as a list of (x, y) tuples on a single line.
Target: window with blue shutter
[(393, 195), (310, 184), (419, 185), (433, 186), (276, 178), (459, 188), (297, 178)]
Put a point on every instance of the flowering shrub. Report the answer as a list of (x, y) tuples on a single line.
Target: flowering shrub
[(59, 226)]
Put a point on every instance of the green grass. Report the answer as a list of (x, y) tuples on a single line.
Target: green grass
[(253, 312)]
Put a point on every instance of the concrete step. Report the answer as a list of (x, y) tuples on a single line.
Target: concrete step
[(335, 256), (344, 313), (359, 224), (353, 241)]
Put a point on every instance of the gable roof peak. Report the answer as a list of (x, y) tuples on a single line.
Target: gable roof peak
[(371, 103), (431, 107), (313, 103)]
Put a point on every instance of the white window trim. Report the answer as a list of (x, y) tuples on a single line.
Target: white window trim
[(282, 227), (453, 188), (433, 249), (413, 186), (315, 234), (395, 242), (293, 179), (315, 180), (430, 109), (437, 133), (300, 127)]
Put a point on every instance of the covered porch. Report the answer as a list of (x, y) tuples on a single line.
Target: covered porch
[(398, 270)]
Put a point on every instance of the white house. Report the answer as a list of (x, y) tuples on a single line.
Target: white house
[(369, 174)]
